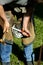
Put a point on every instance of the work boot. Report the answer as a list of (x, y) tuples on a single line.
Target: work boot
[(7, 63), (29, 63)]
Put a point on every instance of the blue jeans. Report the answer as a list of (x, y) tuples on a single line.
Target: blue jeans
[(28, 50), (5, 51)]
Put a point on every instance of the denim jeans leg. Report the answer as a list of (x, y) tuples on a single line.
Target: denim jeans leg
[(0, 51), (28, 52), (5, 52)]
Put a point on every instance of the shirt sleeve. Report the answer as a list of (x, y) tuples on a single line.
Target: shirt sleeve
[(3, 2)]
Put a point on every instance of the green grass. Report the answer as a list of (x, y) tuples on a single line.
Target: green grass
[(39, 32)]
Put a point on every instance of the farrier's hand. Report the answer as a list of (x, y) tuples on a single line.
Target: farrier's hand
[(26, 32), (6, 26)]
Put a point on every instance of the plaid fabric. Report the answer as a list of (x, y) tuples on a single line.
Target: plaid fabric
[(20, 9), (22, 2), (3, 2)]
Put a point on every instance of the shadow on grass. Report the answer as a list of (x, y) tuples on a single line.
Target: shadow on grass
[(39, 10), (37, 52), (18, 53)]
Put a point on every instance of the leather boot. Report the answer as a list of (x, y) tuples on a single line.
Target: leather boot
[(7, 63), (29, 63)]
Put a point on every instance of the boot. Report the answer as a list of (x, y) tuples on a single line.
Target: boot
[(29, 63), (7, 63)]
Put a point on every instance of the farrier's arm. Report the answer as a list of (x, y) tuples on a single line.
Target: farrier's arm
[(26, 21), (25, 24), (3, 16)]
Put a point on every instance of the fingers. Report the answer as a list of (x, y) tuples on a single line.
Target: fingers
[(26, 33), (6, 27)]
